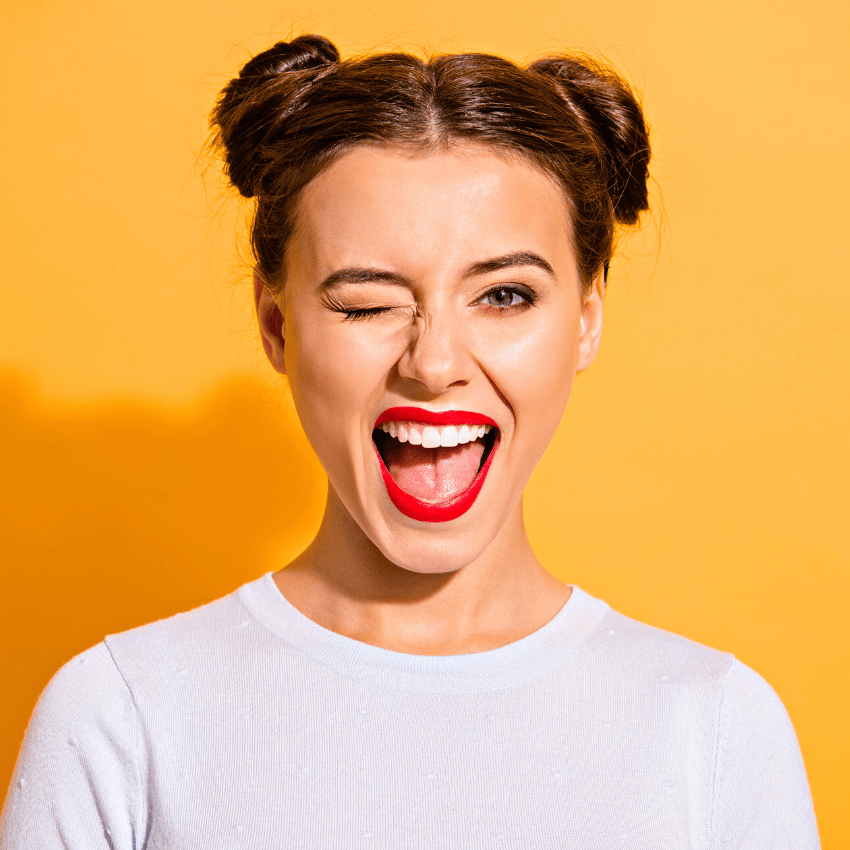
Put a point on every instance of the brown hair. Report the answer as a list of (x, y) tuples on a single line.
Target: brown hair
[(297, 106)]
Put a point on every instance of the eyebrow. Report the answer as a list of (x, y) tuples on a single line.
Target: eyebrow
[(357, 274), (363, 275), (519, 258)]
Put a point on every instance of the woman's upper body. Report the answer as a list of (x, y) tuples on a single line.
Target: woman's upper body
[(432, 242), (245, 724)]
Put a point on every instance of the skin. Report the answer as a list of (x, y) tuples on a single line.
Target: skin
[(451, 339)]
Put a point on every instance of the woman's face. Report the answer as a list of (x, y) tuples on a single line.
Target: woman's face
[(430, 298)]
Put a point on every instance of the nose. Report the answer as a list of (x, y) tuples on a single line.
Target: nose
[(437, 356)]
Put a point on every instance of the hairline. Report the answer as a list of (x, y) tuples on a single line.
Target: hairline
[(422, 148)]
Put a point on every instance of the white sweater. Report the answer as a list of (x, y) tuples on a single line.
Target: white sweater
[(243, 725)]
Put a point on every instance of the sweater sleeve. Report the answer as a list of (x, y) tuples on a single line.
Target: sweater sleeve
[(762, 799), (77, 783)]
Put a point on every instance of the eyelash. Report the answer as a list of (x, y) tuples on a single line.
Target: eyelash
[(529, 297), (362, 313), (359, 314)]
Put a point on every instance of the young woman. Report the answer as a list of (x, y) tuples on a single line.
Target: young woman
[(432, 242)]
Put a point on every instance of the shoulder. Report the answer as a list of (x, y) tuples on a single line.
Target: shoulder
[(90, 705), (101, 678), (206, 625), (724, 715), (70, 691), (740, 703), (721, 717), (760, 784), (741, 698), (749, 701), (81, 762), (84, 762), (85, 705), (176, 665), (639, 653)]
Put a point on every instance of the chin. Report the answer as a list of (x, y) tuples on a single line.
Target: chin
[(430, 557), (436, 548)]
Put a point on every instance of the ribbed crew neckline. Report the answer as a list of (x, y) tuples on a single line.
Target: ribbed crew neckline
[(491, 669)]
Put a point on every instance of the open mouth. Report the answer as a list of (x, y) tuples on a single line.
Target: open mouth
[(434, 464)]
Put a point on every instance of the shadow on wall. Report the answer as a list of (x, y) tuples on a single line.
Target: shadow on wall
[(118, 514)]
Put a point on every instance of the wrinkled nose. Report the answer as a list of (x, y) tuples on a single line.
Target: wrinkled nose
[(437, 356)]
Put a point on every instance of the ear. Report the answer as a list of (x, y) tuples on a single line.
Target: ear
[(591, 323), (270, 319)]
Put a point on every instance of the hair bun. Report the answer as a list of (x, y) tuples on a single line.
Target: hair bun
[(253, 107), (306, 51), (609, 111)]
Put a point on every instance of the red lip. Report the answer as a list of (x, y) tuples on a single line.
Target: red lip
[(433, 417), (409, 505)]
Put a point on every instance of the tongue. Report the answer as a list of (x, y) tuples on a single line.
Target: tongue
[(433, 475)]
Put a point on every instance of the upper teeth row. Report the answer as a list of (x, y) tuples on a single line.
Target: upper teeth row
[(430, 437)]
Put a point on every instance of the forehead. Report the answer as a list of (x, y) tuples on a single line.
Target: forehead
[(420, 212)]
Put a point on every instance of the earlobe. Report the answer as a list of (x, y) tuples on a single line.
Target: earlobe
[(270, 319), (591, 324)]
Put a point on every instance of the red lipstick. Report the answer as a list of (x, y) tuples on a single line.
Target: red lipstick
[(433, 417), (415, 508)]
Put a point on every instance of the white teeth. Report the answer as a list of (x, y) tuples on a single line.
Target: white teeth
[(448, 436), (431, 437)]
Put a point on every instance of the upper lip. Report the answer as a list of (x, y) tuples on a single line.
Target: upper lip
[(433, 417)]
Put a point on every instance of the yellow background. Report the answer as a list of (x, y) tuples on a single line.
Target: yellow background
[(150, 461)]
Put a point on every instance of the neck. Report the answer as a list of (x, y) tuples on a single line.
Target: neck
[(343, 582)]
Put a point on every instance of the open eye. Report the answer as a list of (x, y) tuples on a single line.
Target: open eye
[(509, 297)]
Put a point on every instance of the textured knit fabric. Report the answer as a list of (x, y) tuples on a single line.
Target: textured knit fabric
[(243, 725)]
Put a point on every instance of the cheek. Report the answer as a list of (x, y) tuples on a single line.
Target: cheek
[(534, 372), (335, 372)]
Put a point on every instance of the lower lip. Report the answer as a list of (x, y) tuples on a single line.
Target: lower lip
[(441, 511)]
